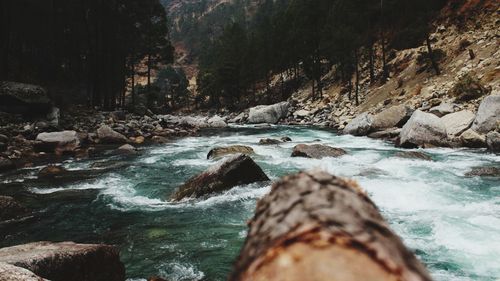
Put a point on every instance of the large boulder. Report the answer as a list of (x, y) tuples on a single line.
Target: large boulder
[(423, 129), (493, 141), (64, 141), (317, 151), (458, 122), (10, 272), (6, 164), (268, 113), (233, 149), (24, 99), (216, 122), (10, 208), (360, 126), (443, 109), (471, 138), (236, 170), (488, 115), (67, 261), (110, 136), (395, 116)]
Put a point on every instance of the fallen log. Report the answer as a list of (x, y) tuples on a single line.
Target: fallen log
[(315, 226)]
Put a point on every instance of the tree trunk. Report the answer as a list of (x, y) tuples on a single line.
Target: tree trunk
[(315, 226), (385, 71), (356, 61), (431, 56), (372, 59)]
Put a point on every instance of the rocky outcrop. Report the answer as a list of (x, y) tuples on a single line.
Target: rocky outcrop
[(59, 142), (488, 115), (484, 172), (10, 208), (9, 272), (6, 164), (456, 123), (218, 152), (443, 109), (66, 261), (269, 141), (236, 170), (107, 135), (268, 113), (493, 141), (395, 116), (413, 155), (24, 99), (359, 126), (471, 138), (317, 151), (423, 129)]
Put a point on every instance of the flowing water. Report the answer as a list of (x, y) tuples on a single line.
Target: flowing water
[(450, 221)]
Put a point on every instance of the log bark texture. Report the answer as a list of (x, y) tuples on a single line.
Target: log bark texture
[(315, 226)]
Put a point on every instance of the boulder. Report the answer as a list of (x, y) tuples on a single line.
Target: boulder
[(443, 109), (195, 122), (488, 115), (359, 126), (484, 172), (413, 155), (6, 164), (216, 122), (317, 151), (493, 141), (386, 134), (269, 141), (126, 149), (423, 129), (159, 139), (286, 139), (233, 149), (26, 99), (67, 261), (9, 272), (236, 170), (471, 138), (109, 136), (395, 116), (64, 141), (52, 172), (10, 208), (458, 122), (268, 113), (238, 119), (301, 113)]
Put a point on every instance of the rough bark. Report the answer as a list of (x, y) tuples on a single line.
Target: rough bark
[(315, 226)]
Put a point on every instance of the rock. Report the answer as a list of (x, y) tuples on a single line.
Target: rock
[(269, 141), (159, 139), (13, 273), (484, 172), (423, 129), (234, 149), (59, 142), (458, 122), (126, 149), (317, 151), (488, 115), (236, 170), (286, 139), (359, 126), (413, 155), (109, 136), (386, 134), (10, 209), (119, 115), (443, 109), (67, 261), (370, 172), (301, 113), (238, 119), (26, 99), (139, 140), (216, 122), (493, 141), (395, 116), (53, 116), (268, 113), (4, 138), (471, 138), (196, 122), (3, 147), (6, 164), (51, 172)]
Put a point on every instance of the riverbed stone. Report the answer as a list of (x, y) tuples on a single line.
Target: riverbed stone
[(317, 151), (109, 136), (458, 122), (488, 114), (423, 129), (218, 152), (235, 170), (10, 208), (395, 116), (493, 141), (268, 113), (67, 261), (26, 99), (59, 142), (359, 126)]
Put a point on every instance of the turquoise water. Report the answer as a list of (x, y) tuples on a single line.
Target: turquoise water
[(450, 221)]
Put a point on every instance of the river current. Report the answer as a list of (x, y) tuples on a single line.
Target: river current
[(450, 221)]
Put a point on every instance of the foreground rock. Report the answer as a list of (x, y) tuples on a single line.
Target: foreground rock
[(23, 99), (471, 138), (10, 208), (237, 170), (268, 113), (59, 142), (413, 155), (423, 129), (218, 152), (484, 172), (66, 261), (456, 123), (395, 116), (488, 115), (493, 141), (107, 135), (359, 126), (317, 151), (13, 273), (315, 226)]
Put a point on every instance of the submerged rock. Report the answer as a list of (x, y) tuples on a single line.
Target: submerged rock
[(67, 261), (395, 116), (317, 151), (286, 139), (268, 113), (10, 208), (59, 142), (423, 129), (110, 136), (236, 170), (269, 141), (484, 172), (488, 115), (493, 141), (413, 155), (26, 99), (233, 149), (360, 126)]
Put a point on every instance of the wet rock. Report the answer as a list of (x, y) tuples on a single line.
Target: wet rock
[(51, 172), (126, 149), (359, 126), (6, 164), (59, 142), (423, 129), (317, 151), (370, 172), (269, 142), (458, 122), (234, 149), (488, 115), (386, 134), (443, 109), (216, 122), (413, 155), (286, 139), (395, 116), (9, 272), (159, 139), (493, 141), (26, 99), (484, 172), (109, 136), (10, 209), (268, 113), (67, 261), (236, 170)]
